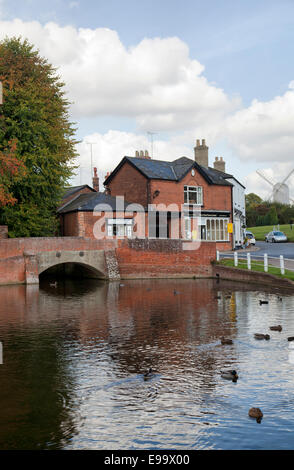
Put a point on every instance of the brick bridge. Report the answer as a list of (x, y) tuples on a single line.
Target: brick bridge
[(23, 260)]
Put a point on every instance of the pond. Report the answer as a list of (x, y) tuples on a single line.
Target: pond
[(75, 354)]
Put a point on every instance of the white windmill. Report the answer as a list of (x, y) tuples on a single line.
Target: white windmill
[(280, 192)]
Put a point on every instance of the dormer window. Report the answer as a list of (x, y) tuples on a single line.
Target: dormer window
[(193, 195)]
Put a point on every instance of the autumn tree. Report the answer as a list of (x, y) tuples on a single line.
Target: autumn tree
[(11, 170), (35, 120)]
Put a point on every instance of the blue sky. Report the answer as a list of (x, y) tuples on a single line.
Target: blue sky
[(235, 57)]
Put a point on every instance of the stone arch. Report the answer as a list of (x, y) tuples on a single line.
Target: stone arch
[(89, 263)]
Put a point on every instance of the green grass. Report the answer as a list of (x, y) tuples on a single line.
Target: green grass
[(261, 232), (258, 266)]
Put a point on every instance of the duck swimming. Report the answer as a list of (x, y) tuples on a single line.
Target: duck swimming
[(276, 328), (230, 375), (263, 302), (255, 413), (226, 340), (148, 374), (261, 336)]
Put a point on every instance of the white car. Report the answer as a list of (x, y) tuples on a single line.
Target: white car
[(251, 238), (276, 237)]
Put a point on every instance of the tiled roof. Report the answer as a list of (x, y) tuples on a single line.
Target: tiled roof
[(172, 171), (74, 189), (88, 203)]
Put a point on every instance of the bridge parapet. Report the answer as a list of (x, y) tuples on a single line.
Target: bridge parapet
[(22, 260)]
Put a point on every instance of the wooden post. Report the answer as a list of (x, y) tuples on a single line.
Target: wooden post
[(265, 263), (235, 259), (282, 265), (248, 261)]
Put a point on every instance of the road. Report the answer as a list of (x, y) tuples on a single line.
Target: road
[(273, 250)]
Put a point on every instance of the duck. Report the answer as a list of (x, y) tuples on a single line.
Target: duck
[(261, 336), (230, 375), (280, 298), (255, 413), (291, 338), (261, 302), (276, 328), (226, 340), (148, 374)]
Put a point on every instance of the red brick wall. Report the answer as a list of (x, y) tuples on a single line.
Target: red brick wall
[(12, 251), (163, 258), (214, 197), (131, 184)]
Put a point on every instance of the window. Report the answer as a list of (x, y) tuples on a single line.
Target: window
[(210, 229), (193, 195), (120, 228)]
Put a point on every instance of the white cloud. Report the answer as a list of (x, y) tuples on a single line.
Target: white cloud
[(155, 82), (162, 88), (108, 150), (264, 131)]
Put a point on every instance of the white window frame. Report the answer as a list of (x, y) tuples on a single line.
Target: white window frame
[(125, 228), (198, 190), (216, 229)]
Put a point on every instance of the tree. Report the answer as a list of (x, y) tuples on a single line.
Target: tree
[(11, 169), (35, 117), (252, 199), (271, 218)]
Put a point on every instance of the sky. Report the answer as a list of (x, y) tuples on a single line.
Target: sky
[(157, 75)]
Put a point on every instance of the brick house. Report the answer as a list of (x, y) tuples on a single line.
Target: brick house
[(162, 199)]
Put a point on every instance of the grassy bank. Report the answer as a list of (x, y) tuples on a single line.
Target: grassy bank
[(261, 232), (258, 266)]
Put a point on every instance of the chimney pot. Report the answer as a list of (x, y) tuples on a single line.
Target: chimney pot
[(137, 154), (220, 164), (201, 153)]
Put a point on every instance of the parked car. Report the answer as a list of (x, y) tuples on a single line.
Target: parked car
[(276, 237), (250, 237)]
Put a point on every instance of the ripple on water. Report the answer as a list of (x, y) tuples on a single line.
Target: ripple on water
[(73, 374)]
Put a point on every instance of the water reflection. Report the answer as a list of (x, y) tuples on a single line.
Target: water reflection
[(75, 357)]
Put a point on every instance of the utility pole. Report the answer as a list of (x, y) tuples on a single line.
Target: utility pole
[(91, 146), (151, 137)]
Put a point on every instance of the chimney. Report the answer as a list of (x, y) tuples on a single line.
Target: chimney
[(219, 164), (95, 180), (142, 154), (201, 153)]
